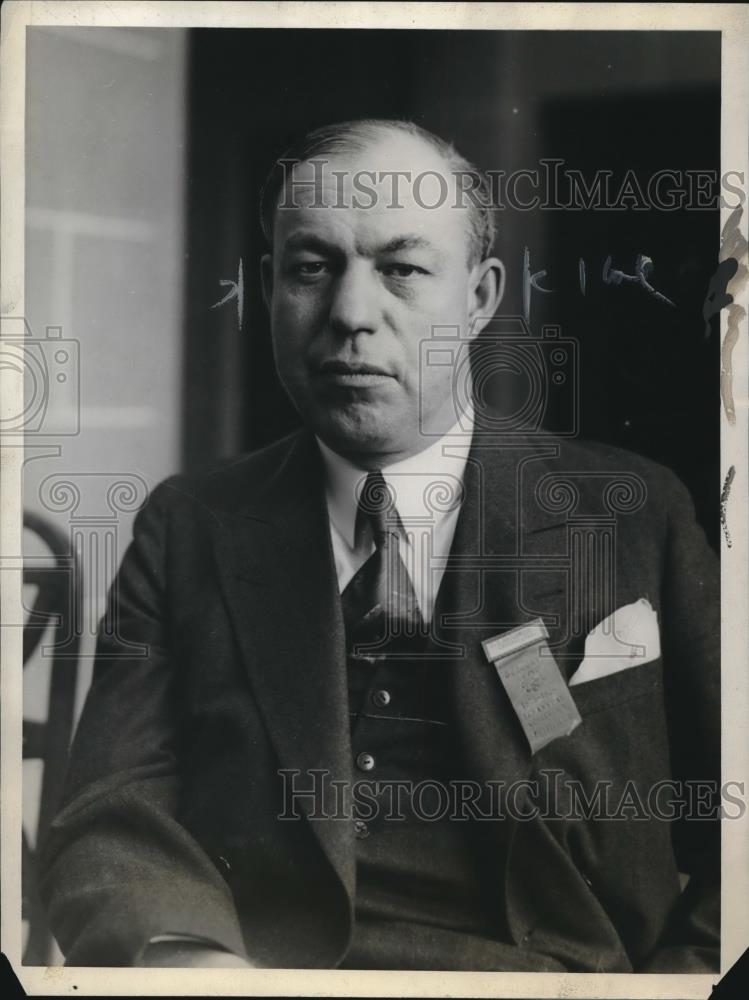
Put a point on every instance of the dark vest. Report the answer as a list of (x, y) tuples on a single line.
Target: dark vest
[(421, 901)]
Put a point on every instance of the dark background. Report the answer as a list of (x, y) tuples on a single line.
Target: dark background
[(648, 101)]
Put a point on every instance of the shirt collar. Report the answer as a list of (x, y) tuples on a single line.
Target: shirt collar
[(414, 480)]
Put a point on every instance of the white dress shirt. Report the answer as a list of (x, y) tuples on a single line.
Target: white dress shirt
[(428, 490)]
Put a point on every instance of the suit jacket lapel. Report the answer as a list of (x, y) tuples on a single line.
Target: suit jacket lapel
[(278, 577), (506, 568)]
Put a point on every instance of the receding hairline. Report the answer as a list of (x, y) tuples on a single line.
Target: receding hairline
[(359, 135), (378, 143)]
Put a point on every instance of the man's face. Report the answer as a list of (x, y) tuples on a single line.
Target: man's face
[(354, 291)]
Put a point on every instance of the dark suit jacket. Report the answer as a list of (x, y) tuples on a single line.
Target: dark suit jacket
[(227, 661)]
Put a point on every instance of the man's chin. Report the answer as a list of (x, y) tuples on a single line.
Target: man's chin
[(360, 434)]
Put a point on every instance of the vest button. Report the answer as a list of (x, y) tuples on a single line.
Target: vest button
[(361, 829), (365, 761), (381, 698)]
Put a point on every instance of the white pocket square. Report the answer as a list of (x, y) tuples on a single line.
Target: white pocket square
[(627, 638)]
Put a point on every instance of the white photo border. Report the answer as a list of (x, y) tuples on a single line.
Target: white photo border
[(733, 23)]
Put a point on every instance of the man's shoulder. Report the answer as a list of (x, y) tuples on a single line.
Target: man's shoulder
[(596, 456), (584, 475), (628, 472), (576, 456), (230, 484)]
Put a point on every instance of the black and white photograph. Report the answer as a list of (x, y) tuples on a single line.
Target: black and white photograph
[(375, 606)]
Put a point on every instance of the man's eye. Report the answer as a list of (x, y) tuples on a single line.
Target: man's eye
[(402, 270), (310, 268)]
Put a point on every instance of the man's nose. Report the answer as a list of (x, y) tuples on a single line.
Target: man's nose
[(355, 305)]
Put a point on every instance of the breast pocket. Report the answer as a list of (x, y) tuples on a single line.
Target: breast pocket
[(618, 688)]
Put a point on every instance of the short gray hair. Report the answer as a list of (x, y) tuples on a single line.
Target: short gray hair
[(343, 137)]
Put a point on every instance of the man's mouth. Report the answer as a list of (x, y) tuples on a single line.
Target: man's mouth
[(353, 374)]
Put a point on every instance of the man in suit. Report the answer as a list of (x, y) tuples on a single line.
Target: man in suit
[(397, 599)]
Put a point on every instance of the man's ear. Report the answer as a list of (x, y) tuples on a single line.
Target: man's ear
[(266, 278), (487, 289)]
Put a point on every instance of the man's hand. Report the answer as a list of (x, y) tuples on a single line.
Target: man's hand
[(190, 955)]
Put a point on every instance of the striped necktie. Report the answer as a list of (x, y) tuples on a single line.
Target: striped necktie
[(380, 609)]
